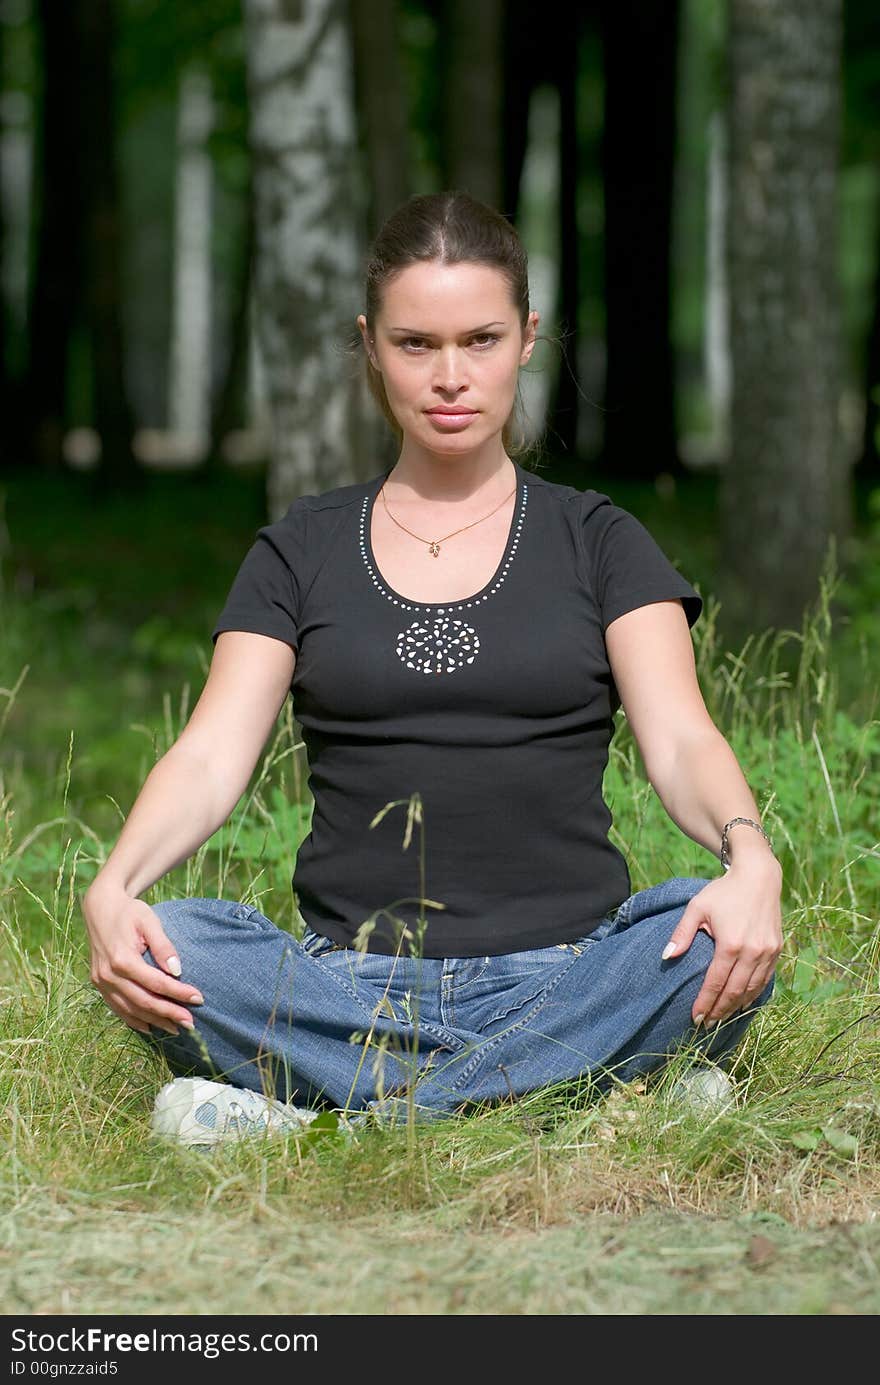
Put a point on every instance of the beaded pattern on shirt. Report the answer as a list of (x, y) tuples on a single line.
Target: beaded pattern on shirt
[(437, 642)]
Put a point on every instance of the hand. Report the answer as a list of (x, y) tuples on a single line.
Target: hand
[(741, 911), (120, 930)]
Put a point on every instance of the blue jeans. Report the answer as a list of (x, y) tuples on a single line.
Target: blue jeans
[(321, 1025)]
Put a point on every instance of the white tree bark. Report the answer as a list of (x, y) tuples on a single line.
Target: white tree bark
[(539, 213), (189, 402), (308, 218), (16, 171), (16, 162), (717, 322)]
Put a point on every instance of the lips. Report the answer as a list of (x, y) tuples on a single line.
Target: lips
[(451, 413)]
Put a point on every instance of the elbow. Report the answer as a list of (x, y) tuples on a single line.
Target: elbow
[(223, 780), (673, 762)]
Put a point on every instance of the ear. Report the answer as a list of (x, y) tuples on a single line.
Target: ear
[(368, 345), (530, 332)]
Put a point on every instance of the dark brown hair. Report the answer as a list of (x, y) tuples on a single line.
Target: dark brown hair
[(454, 228)]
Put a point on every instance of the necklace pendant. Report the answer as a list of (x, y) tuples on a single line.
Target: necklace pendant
[(434, 550)]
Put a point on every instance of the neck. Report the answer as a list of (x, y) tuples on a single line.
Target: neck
[(430, 477)]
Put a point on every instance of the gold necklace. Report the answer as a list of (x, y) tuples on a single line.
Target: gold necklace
[(434, 544)]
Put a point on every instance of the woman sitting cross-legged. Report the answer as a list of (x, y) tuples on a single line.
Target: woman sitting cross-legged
[(457, 634)]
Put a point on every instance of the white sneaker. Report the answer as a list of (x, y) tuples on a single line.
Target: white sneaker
[(195, 1112), (705, 1091)]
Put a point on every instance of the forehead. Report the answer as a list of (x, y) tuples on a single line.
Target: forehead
[(430, 292)]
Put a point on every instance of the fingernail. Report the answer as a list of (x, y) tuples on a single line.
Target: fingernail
[(173, 1030), (173, 965), (669, 950), (188, 1023), (698, 1021), (197, 998)]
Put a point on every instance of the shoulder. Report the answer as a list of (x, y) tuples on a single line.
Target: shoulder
[(318, 503), (311, 517), (555, 492), (586, 511), (597, 517), (607, 535), (581, 503)]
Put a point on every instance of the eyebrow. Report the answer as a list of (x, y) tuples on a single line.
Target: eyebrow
[(419, 332)]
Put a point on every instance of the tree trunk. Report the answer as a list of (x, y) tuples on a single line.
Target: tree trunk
[(785, 489), (58, 261), (521, 72), (563, 409), (307, 263), (189, 399), (384, 157), (96, 104), (228, 408), (867, 471), (470, 50), (640, 39), (17, 82), (381, 105)]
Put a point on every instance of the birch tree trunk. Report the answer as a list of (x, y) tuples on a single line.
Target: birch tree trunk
[(190, 384), (16, 175), (785, 488), (308, 231)]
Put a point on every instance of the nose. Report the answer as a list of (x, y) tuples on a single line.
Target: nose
[(450, 372)]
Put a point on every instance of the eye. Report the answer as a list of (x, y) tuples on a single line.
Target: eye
[(488, 337)]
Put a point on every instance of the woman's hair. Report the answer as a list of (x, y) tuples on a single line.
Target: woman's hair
[(454, 228)]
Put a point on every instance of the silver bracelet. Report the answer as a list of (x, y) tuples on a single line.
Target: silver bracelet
[(725, 853)]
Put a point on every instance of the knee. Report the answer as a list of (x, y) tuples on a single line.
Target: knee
[(692, 965), (175, 918), (172, 915), (193, 927), (661, 902)]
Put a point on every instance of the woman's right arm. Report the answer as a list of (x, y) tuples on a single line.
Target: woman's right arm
[(187, 795)]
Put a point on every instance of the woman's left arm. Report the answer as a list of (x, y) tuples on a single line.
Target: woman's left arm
[(701, 785)]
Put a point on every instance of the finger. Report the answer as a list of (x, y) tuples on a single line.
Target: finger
[(151, 979), (123, 1011), (123, 1014), (684, 932), (158, 942), (713, 985), (762, 970), (129, 966), (152, 1009), (732, 997), (123, 983), (141, 1028), (759, 981)]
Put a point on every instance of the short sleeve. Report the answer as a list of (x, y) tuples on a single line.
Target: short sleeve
[(626, 565), (264, 596)]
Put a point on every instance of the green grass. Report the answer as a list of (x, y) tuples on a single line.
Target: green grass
[(558, 1203)]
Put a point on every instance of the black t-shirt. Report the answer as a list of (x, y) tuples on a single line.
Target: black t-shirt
[(497, 711)]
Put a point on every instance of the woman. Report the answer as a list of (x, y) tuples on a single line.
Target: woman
[(457, 634)]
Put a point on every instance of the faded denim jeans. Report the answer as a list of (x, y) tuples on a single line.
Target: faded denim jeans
[(321, 1025)]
